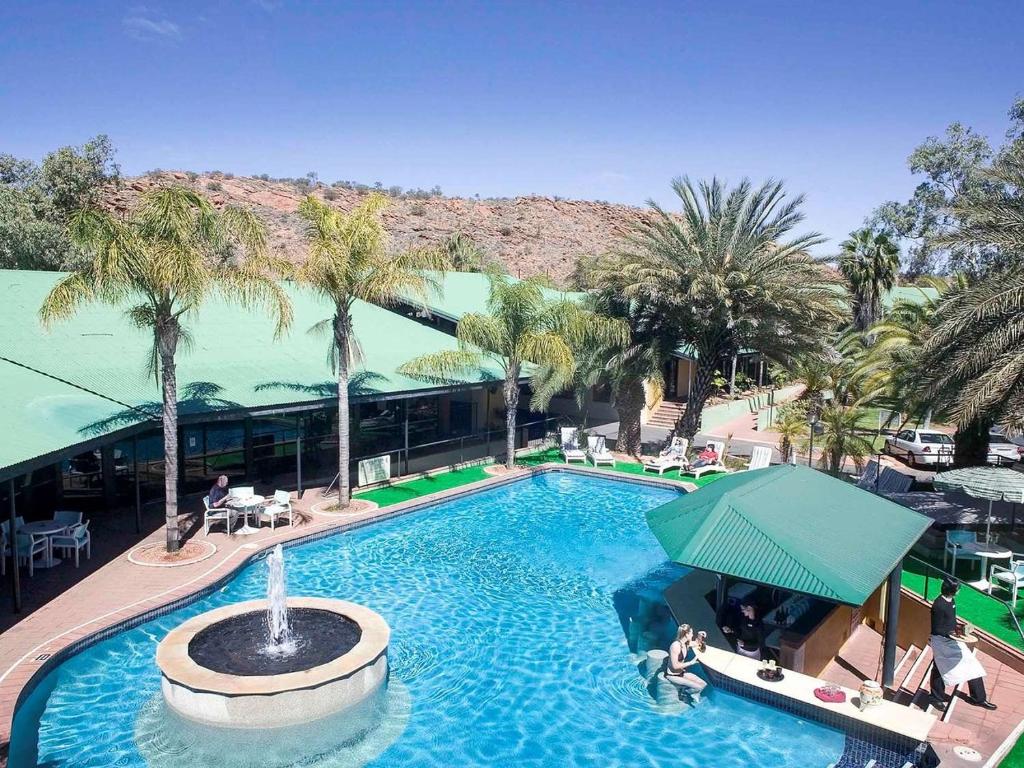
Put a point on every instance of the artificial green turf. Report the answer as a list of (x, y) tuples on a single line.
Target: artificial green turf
[(1015, 757), (976, 607), (394, 494), (553, 455)]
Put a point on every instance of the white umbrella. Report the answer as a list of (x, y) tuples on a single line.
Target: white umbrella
[(992, 483)]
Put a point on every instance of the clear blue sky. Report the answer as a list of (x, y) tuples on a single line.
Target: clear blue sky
[(587, 99)]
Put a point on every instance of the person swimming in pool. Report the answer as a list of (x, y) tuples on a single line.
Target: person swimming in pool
[(681, 660)]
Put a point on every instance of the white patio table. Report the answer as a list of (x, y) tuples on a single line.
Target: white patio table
[(985, 552), (49, 529), (246, 503)]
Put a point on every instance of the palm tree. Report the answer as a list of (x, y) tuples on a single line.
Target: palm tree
[(172, 252), (842, 437), (870, 261), (792, 428), (521, 327), (728, 279), (463, 253), (348, 261), (637, 359)]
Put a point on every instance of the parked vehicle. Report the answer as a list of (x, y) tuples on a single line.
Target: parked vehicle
[(1003, 450), (926, 447)]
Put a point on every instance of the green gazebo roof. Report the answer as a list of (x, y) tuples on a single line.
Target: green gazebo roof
[(790, 527)]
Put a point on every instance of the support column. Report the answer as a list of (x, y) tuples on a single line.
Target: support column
[(298, 455), (250, 469), (107, 475), (13, 543), (405, 435), (138, 492), (892, 617), (720, 597)]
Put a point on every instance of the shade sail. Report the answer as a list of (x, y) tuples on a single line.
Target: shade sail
[(790, 527)]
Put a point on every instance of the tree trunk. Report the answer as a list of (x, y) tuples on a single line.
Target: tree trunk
[(342, 334), (510, 389), (168, 332), (689, 422), (972, 444), (629, 402), (732, 378)]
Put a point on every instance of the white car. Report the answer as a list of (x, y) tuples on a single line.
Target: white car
[(921, 446), (1003, 450)]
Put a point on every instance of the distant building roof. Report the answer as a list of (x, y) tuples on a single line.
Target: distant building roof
[(912, 294), (790, 527), (88, 376)]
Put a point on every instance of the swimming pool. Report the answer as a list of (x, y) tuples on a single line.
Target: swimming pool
[(507, 649)]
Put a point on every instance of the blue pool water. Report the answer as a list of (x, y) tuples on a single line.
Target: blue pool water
[(507, 649)]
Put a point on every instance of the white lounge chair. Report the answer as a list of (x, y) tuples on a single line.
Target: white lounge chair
[(673, 457), (718, 466), (598, 451), (571, 450), (77, 538), (212, 515), (282, 506), (760, 457)]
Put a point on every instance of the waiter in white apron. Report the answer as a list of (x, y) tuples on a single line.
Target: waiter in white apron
[(954, 662)]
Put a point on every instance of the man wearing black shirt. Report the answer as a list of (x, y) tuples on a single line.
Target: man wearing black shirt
[(954, 663), (749, 632)]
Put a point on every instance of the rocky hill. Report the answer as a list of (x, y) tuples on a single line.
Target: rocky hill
[(529, 235)]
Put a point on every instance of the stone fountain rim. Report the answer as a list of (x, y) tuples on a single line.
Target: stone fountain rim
[(178, 667)]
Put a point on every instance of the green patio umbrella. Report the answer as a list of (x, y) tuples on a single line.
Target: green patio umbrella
[(992, 483)]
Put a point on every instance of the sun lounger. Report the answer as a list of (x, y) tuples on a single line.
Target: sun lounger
[(760, 457), (707, 469), (571, 445), (673, 457), (598, 451)]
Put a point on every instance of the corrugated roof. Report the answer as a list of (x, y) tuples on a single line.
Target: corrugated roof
[(233, 361), (465, 292), (790, 527)]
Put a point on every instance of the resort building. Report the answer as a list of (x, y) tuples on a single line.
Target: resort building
[(81, 408)]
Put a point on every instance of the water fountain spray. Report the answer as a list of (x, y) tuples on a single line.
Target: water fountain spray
[(277, 606)]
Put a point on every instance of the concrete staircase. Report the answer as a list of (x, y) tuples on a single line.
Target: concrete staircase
[(666, 414)]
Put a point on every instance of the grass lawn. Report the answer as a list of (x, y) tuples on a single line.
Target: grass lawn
[(394, 494), (1015, 757), (553, 455), (973, 606)]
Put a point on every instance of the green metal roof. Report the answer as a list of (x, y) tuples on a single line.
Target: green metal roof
[(911, 294), (790, 527), (465, 292), (233, 362)]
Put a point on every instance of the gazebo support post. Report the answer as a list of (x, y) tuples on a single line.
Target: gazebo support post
[(13, 544), (892, 619), (720, 595)]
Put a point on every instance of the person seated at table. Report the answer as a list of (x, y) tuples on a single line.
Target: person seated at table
[(681, 658), (749, 633), (708, 456), (219, 492)]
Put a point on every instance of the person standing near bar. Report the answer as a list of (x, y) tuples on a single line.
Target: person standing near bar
[(954, 662)]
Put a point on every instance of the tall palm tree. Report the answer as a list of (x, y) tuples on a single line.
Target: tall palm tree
[(870, 261), (165, 259), (521, 327), (729, 277), (349, 260), (792, 428), (639, 358)]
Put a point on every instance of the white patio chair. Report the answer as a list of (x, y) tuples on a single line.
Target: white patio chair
[(242, 491), (67, 518), (673, 457), (282, 505), (76, 538), (212, 515), (29, 545), (868, 477), (717, 466), (571, 445), (1010, 577), (760, 457), (598, 451)]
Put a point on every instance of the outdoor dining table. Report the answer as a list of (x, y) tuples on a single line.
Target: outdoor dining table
[(984, 552), (246, 503), (49, 529)]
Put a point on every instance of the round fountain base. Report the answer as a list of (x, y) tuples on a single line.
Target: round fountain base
[(254, 699)]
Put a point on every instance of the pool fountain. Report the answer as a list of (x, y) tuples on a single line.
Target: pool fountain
[(275, 662)]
